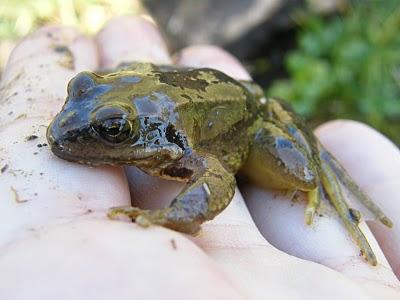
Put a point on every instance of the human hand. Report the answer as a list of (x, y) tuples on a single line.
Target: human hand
[(55, 239)]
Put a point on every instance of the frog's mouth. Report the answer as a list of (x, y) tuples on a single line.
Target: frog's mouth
[(97, 154)]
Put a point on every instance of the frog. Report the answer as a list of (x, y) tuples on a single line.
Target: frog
[(202, 127)]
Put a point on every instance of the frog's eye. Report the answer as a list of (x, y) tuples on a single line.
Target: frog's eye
[(112, 126), (80, 84)]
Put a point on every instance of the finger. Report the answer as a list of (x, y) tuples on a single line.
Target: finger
[(103, 260), (374, 162), (232, 238), (127, 39), (235, 243), (37, 188), (34, 82), (206, 56), (236, 217), (281, 221)]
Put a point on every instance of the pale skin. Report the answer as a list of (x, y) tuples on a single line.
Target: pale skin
[(55, 239)]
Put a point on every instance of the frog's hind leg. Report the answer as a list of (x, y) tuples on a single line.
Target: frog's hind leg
[(346, 181), (349, 216)]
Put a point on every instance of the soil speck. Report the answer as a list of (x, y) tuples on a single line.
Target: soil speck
[(173, 244), (4, 168)]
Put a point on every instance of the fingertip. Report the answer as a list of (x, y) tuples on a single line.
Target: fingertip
[(48, 41), (207, 56), (373, 161), (131, 38), (35, 78), (111, 260), (325, 241)]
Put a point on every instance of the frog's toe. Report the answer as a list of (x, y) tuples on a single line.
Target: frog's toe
[(309, 214), (127, 211), (141, 217), (314, 200), (386, 221)]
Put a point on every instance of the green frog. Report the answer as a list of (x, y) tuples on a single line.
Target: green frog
[(202, 127)]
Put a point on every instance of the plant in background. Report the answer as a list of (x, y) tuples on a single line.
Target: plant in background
[(348, 67)]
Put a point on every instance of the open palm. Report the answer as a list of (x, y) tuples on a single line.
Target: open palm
[(55, 239)]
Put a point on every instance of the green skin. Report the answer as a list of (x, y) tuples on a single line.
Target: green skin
[(202, 127)]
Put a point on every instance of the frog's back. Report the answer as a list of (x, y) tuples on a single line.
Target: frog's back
[(213, 110)]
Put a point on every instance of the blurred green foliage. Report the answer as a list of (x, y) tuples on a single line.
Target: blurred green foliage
[(348, 66)]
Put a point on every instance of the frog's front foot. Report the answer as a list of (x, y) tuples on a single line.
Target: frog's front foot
[(209, 190), (161, 217)]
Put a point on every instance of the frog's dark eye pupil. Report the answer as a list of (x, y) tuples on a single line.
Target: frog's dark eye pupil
[(114, 130), (114, 127)]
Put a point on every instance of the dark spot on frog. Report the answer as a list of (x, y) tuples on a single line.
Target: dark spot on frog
[(31, 137), (173, 244), (177, 172), (183, 80), (4, 168), (186, 97), (174, 137)]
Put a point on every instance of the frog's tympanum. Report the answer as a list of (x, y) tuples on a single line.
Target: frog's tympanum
[(202, 127)]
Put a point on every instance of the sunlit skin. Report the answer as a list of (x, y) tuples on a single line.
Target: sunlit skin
[(202, 127)]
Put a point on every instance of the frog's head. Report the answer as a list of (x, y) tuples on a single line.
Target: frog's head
[(99, 124)]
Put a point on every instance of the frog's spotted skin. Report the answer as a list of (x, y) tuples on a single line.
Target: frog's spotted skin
[(199, 126)]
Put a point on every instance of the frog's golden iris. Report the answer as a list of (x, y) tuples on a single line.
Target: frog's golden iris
[(202, 127)]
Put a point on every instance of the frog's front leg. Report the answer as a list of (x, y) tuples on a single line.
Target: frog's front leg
[(210, 188), (277, 160)]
